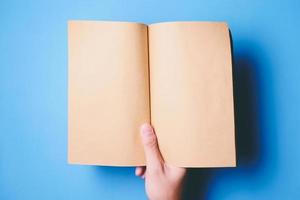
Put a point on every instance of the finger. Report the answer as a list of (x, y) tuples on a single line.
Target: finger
[(154, 159), (140, 171), (174, 171), (179, 171)]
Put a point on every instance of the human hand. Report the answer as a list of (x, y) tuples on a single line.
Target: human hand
[(162, 181)]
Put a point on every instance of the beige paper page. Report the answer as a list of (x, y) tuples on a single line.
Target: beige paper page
[(192, 94), (108, 92)]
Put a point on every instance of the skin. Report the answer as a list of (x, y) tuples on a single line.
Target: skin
[(162, 181)]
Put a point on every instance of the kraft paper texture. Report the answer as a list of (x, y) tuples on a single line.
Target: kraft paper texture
[(176, 75)]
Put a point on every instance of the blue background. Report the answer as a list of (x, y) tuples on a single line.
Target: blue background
[(33, 99)]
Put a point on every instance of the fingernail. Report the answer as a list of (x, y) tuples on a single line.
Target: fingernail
[(146, 129)]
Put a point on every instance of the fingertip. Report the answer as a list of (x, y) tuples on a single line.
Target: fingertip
[(147, 134), (146, 128), (138, 171)]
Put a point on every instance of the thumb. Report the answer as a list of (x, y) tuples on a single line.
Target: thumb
[(149, 140)]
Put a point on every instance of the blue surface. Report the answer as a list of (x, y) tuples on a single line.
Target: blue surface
[(33, 99)]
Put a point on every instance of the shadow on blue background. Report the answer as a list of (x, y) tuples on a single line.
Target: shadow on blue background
[(251, 145)]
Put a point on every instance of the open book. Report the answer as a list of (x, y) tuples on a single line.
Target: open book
[(175, 75)]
